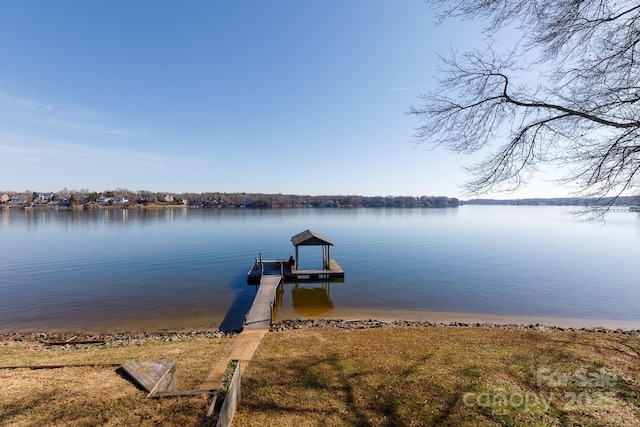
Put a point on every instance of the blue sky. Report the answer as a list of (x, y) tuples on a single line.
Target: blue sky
[(282, 96)]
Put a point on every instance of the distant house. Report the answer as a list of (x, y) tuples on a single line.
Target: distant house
[(120, 200), (168, 198), (44, 197), (62, 199), (103, 200), (5, 198)]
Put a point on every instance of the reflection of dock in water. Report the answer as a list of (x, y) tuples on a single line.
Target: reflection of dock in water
[(311, 301)]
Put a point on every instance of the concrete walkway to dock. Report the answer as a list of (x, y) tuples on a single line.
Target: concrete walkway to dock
[(242, 349), (255, 327)]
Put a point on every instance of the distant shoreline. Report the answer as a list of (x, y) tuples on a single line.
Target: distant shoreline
[(631, 207)]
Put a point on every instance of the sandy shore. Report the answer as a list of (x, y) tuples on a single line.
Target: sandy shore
[(170, 322), (176, 324)]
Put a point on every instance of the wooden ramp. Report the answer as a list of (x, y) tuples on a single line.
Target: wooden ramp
[(242, 349), (259, 316), (154, 375)]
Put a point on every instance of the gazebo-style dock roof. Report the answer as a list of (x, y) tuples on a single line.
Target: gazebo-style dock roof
[(311, 238)]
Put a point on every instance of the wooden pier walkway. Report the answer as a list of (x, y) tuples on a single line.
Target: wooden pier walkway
[(270, 273), (259, 316), (255, 327)]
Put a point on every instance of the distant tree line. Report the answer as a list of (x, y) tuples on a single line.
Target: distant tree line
[(227, 200), (86, 199), (262, 200), (567, 201)]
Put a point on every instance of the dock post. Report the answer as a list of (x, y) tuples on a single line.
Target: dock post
[(271, 313)]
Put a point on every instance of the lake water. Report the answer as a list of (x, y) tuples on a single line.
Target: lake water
[(185, 269)]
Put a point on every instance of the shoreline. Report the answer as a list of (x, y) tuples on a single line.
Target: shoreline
[(389, 315), (176, 324), (71, 338), (284, 325)]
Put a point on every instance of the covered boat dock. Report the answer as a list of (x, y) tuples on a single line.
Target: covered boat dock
[(289, 270)]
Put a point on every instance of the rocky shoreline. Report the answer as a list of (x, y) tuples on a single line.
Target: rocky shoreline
[(284, 325), (67, 339)]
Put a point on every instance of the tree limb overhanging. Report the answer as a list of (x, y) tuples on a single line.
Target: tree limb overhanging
[(581, 112)]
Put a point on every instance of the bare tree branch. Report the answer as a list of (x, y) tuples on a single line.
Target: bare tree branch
[(582, 114)]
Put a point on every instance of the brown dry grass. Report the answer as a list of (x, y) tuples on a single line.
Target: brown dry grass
[(104, 395), (390, 376), (418, 376)]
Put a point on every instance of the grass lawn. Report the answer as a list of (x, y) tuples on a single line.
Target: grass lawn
[(318, 376), (417, 376), (101, 395)]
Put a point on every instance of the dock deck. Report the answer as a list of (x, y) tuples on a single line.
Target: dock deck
[(283, 268)]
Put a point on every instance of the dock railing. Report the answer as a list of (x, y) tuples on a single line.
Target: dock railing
[(231, 400), (260, 264)]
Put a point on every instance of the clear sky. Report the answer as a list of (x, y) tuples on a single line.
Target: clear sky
[(281, 96)]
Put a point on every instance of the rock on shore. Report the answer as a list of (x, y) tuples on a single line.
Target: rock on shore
[(283, 325), (125, 338), (112, 338)]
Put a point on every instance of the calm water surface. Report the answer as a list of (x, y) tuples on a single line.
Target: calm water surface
[(174, 269)]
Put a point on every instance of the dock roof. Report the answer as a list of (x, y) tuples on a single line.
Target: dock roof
[(310, 238)]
